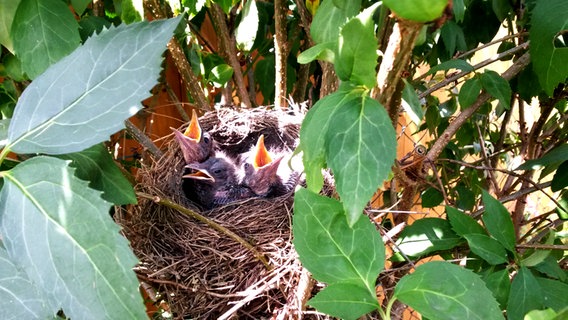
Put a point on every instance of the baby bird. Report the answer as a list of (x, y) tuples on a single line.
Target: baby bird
[(195, 143), (214, 183), (261, 173)]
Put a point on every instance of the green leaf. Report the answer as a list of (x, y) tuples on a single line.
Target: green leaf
[(500, 285), (321, 51), (360, 148), (459, 10), (462, 223), (331, 15), (548, 19), (4, 124), (80, 5), (60, 233), (487, 248), (19, 297), (451, 64), (313, 134), (469, 92), (560, 179), (546, 314), (220, 75), (497, 87), (357, 56), (427, 235), (131, 11), (87, 95), (245, 33), (332, 250), (417, 10), (6, 17), (431, 198), (554, 293), (453, 37), (43, 31), (498, 221), (441, 290), (345, 301), (534, 257), (96, 166), (556, 155), (526, 295), (411, 103), (550, 267)]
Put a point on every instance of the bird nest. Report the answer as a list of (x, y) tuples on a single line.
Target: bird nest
[(235, 261)]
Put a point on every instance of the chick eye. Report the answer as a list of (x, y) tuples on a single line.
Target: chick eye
[(217, 171), (247, 165), (206, 140)]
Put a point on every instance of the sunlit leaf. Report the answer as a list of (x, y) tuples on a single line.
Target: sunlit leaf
[(47, 220), (87, 95), (43, 31), (245, 33), (19, 297), (427, 235), (460, 295), (321, 51)]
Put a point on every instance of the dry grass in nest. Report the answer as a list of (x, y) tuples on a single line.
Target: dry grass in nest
[(202, 272)]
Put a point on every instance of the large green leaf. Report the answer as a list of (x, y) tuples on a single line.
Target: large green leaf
[(560, 179), (441, 290), (331, 15), (547, 20), (498, 222), (417, 10), (60, 233), (357, 56), (345, 301), (556, 155), (360, 147), (245, 33), (96, 165), (43, 31), (87, 95), (80, 5), (525, 295), (313, 135), (6, 17), (322, 51), (462, 223), (487, 248), (332, 250), (427, 235), (19, 297)]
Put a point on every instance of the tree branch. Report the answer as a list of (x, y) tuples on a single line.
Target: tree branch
[(445, 137), (280, 52), (228, 51)]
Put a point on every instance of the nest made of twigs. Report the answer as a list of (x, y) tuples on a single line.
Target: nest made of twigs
[(202, 272)]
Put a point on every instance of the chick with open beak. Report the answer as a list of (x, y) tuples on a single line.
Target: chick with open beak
[(261, 172), (213, 183), (195, 143)]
